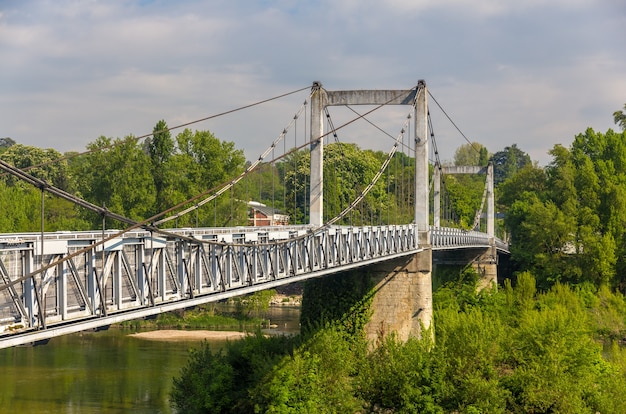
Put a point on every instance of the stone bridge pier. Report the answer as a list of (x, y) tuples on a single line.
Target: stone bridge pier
[(403, 301)]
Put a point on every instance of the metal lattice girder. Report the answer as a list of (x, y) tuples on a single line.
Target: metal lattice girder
[(138, 275)]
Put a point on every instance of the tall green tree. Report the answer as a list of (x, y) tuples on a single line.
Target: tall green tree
[(161, 149), (569, 224), (507, 162), (41, 163), (471, 154), (347, 171), (202, 163), (117, 175), (620, 118)]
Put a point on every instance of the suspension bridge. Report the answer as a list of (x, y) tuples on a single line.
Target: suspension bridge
[(56, 283)]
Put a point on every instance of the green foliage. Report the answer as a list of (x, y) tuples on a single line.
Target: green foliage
[(116, 176), (202, 317), (530, 179), (205, 384), (201, 163), (471, 154), (129, 178), (317, 378), (620, 118), (20, 206), (401, 377), (569, 223), (465, 194), (254, 304), (342, 299), (160, 148), (516, 350), (40, 163), (220, 382), (507, 162), (347, 171)]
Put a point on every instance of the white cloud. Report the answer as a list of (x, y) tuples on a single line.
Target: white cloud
[(484, 8), (532, 72)]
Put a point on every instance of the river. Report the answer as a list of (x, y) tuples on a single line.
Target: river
[(102, 372)]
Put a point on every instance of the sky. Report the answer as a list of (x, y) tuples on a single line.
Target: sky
[(533, 73)]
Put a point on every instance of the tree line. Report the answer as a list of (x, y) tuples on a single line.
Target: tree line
[(515, 350), (134, 178), (138, 179)]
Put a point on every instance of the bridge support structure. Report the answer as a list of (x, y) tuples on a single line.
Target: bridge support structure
[(485, 263), (403, 302)]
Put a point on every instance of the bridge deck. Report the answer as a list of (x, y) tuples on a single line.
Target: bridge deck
[(140, 274)]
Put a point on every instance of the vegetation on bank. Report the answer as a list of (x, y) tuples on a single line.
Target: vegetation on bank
[(515, 350), (243, 312)]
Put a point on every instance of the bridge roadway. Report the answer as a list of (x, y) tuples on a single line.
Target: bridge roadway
[(141, 274)]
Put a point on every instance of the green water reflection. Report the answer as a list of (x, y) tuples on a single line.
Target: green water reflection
[(98, 372)]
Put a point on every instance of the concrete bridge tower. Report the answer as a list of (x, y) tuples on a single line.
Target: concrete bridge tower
[(402, 302), (485, 261)]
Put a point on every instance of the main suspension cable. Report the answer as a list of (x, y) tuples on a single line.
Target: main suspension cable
[(452, 122)]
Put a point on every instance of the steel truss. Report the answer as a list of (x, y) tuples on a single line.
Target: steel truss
[(142, 274)]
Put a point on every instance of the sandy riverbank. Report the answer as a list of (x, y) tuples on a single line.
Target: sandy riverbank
[(180, 335)]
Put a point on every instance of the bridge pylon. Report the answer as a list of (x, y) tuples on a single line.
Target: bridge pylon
[(486, 263), (416, 272)]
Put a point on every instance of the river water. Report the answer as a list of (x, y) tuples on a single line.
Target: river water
[(102, 372)]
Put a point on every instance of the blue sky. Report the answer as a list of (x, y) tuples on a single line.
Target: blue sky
[(531, 72)]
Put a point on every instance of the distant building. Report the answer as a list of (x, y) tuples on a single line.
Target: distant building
[(261, 215)]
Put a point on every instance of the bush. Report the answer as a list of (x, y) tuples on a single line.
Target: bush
[(516, 350)]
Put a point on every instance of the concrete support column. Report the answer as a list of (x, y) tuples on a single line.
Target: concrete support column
[(421, 164), (437, 197), (491, 214), (402, 303), (488, 262), (316, 191), (420, 267), (487, 267)]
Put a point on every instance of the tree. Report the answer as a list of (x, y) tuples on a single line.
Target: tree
[(620, 118), (347, 172), (161, 148), (464, 195), (471, 154), (117, 175), (5, 143), (507, 162), (568, 221), (202, 163), (529, 179), (41, 163), (20, 207)]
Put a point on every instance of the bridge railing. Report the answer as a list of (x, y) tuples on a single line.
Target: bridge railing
[(452, 238), (140, 271)]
